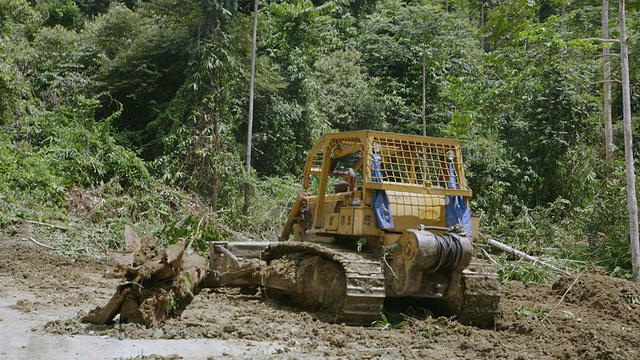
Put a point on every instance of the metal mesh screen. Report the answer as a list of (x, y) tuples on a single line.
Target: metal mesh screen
[(395, 161), (420, 163)]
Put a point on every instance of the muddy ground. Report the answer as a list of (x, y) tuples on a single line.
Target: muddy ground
[(43, 294)]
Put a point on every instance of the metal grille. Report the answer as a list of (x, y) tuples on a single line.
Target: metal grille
[(388, 161), (430, 164)]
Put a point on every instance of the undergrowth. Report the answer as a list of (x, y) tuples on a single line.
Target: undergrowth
[(587, 225), (65, 170)]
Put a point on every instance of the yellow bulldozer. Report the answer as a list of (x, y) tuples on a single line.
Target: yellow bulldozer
[(382, 217)]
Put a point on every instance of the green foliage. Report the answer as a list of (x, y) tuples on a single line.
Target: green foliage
[(272, 199), (344, 97), (384, 324), (82, 150), (29, 182), (546, 104), (60, 12), (589, 223), (171, 305), (92, 8), (142, 70), (622, 273), (430, 330), (533, 314), (113, 32), (293, 37), (398, 40), (631, 298), (195, 230), (14, 13), (524, 272), (56, 64), (393, 248), (186, 278), (15, 89)]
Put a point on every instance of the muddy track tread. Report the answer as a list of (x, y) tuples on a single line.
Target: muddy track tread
[(365, 292), (481, 295)]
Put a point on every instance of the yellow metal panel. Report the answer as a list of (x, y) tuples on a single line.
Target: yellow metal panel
[(475, 228), (409, 210), (365, 222), (322, 189), (346, 221), (332, 222), (358, 221), (424, 206)]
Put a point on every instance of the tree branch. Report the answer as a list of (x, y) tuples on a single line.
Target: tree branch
[(46, 224), (602, 40), (41, 244), (524, 256)]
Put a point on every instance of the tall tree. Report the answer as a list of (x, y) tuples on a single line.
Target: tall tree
[(632, 202), (608, 132), (247, 189)]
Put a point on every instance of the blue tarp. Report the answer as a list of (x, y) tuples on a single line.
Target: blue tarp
[(457, 210), (379, 200)]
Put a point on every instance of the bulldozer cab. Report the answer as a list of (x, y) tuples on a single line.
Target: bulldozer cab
[(377, 185)]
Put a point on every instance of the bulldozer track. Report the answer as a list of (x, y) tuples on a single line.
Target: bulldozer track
[(365, 283), (481, 288)]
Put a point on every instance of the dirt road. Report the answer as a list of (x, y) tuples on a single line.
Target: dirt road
[(42, 296)]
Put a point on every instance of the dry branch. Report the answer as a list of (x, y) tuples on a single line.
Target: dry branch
[(563, 295), (408, 348), (523, 256), (46, 224), (41, 244), (486, 254), (616, 41)]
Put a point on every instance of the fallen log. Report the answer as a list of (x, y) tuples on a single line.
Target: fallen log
[(522, 255), (160, 282)]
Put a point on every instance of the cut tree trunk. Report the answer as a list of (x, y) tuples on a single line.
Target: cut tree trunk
[(160, 283), (520, 254)]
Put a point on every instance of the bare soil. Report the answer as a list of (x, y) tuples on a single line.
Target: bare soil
[(43, 295)]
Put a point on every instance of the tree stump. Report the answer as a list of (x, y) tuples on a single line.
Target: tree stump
[(160, 283)]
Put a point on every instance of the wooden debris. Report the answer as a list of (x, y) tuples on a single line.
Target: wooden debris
[(41, 244), (520, 254), (562, 298), (160, 282), (46, 224)]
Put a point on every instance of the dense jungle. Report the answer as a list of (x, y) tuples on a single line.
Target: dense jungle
[(136, 113)]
